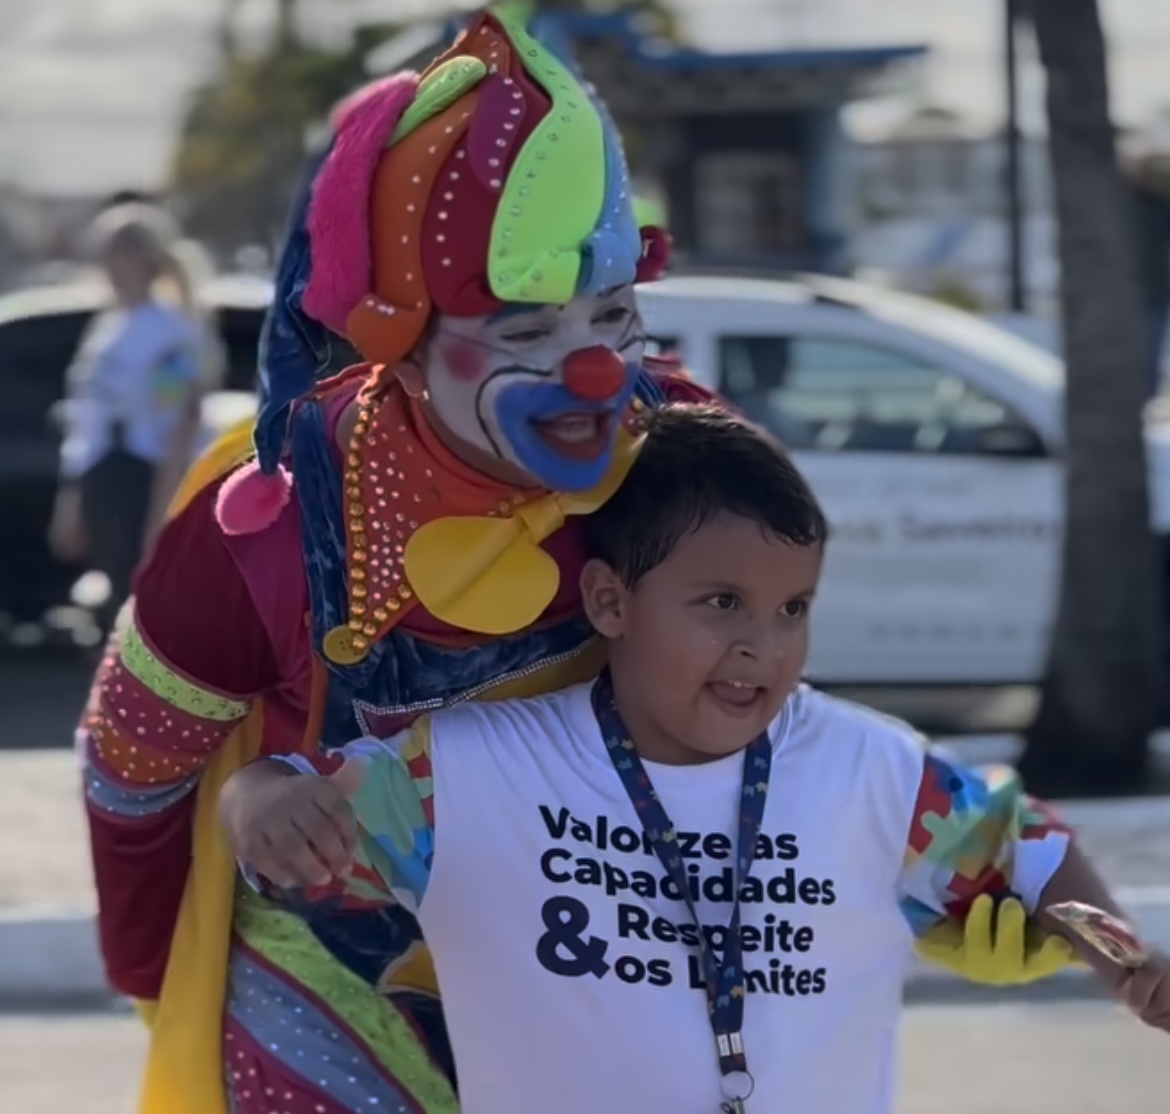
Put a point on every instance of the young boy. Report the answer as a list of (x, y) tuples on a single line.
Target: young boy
[(623, 819)]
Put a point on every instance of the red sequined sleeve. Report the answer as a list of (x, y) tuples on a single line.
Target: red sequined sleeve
[(179, 675)]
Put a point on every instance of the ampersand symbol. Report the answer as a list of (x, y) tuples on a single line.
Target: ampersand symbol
[(566, 919)]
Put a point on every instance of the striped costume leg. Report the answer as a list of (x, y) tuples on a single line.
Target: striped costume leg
[(303, 1035)]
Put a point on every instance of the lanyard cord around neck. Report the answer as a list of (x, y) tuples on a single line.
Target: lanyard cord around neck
[(722, 974)]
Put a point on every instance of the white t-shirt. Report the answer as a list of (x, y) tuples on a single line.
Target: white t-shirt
[(135, 368), (567, 968)]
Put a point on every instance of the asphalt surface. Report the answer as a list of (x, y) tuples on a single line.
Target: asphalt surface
[(1054, 1059), (42, 692)]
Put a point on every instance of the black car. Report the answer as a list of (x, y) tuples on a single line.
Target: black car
[(39, 334)]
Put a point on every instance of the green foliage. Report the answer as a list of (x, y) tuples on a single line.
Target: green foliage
[(243, 140)]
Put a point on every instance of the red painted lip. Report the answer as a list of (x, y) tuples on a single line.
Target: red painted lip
[(552, 431)]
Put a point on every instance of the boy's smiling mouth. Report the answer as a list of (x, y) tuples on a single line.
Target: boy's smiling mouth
[(737, 698)]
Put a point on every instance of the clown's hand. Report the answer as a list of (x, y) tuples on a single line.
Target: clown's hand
[(996, 946)]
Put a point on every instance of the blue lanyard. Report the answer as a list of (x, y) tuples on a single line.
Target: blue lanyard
[(723, 975)]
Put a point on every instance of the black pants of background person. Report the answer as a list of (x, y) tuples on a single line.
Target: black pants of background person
[(115, 500), (1157, 321)]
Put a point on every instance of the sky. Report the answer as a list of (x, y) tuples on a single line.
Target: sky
[(90, 90)]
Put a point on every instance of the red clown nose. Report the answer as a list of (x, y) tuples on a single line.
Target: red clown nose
[(594, 374)]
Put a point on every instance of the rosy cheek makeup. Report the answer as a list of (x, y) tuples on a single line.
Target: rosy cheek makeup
[(465, 360)]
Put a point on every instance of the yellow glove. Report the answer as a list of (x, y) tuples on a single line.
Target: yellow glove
[(146, 1010), (996, 946)]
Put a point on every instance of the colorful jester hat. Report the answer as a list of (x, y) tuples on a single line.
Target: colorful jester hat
[(497, 176)]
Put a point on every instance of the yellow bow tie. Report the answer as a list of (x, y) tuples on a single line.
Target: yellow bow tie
[(489, 575)]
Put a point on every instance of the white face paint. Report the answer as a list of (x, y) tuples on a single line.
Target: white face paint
[(538, 389)]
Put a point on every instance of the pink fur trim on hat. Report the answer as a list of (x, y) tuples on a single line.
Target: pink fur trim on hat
[(339, 213)]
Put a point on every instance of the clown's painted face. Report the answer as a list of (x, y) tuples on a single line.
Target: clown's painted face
[(537, 392)]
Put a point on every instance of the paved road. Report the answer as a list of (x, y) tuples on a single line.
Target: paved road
[(1068, 1059), (42, 690)]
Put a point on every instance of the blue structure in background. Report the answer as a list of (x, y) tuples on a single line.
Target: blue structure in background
[(747, 151)]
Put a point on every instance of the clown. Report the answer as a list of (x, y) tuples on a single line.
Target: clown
[(386, 542)]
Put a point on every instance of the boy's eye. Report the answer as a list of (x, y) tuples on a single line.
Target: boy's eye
[(723, 601), (795, 609)]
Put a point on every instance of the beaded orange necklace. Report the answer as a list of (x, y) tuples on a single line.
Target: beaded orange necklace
[(398, 477)]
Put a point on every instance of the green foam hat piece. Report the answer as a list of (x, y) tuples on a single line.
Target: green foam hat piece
[(439, 91), (554, 194)]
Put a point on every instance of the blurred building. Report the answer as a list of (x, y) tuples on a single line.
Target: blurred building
[(932, 198), (746, 151), (935, 164)]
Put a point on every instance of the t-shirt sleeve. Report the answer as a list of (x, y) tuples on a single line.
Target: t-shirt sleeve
[(389, 783), (972, 833), (174, 370), (178, 365)]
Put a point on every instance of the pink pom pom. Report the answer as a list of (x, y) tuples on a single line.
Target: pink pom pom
[(250, 501)]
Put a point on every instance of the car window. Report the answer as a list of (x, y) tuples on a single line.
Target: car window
[(35, 353), (240, 329), (831, 394)]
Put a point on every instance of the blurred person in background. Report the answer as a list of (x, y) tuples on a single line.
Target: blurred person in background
[(133, 393)]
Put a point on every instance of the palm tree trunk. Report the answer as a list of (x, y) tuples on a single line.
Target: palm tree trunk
[(1100, 700), (226, 32), (287, 24)]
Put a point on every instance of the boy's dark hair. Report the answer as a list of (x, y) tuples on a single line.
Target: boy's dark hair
[(699, 462)]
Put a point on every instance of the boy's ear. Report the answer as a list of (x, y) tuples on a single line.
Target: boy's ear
[(603, 596)]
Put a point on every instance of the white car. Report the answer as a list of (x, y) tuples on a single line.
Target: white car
[(934, 442)]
